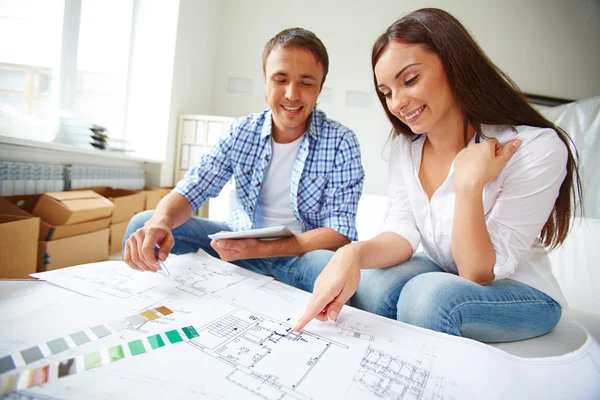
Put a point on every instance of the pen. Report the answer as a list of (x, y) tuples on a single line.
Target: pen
[(161, 264)]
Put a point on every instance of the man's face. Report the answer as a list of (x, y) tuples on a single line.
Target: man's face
[(293, 79)]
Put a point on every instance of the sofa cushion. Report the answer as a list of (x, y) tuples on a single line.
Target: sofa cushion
[(569, 335), (576, 263)]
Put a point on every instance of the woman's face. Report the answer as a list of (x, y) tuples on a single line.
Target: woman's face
[(414, 84)]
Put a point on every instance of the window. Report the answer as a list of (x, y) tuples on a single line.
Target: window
[(102, 63), (31, 31), (67, 57)]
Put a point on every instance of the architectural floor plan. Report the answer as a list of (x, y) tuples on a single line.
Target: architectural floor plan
[(245, 346), (193, 277), (256, 347)]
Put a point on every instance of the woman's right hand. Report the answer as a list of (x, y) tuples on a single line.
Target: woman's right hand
[(480, 163), (334, 286)]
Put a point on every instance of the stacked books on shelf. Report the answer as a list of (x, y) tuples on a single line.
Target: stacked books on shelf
[(81, 134)]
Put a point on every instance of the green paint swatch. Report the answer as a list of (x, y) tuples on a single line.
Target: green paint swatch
[(115, 353), (32, 354), (80, 338), (190, 332), (100, 331), (173, 336), (57, 345), (136, 347), (155, 341), (92, 360)]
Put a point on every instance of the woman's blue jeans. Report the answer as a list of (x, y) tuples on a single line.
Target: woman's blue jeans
[(420, 293), (300, 272)]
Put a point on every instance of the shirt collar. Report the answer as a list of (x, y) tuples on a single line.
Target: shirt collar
[(267, 125), (313, 123), (475, 139)]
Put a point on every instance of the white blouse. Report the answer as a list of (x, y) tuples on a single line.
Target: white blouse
[(516, 204)]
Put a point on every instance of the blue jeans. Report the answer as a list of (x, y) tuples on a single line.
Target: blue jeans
[(420, 293), (300, 272)]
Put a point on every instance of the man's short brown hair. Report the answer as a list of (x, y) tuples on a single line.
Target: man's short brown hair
[(300, 38)]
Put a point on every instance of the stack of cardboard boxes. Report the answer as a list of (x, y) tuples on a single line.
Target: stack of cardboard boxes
[(19, 233), (154, 194), (62, 229), (77, 231), (127, 204)]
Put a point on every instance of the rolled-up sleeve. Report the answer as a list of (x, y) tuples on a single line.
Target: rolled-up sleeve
[(344, 189), (206, 179), (400, 216), (530, 186)]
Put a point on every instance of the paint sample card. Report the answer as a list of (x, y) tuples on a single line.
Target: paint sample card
[(51, 372), (79, 338)]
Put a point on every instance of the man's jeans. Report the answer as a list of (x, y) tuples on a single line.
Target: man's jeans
[(300, 272), (420, 293)]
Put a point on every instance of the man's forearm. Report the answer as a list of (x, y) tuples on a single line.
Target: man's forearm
[(173, 210), (297, 245)]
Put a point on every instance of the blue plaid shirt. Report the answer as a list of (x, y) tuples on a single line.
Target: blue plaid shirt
[(327, 177)]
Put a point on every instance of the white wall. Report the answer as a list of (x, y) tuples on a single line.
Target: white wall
[(193, 70), (549, 47)]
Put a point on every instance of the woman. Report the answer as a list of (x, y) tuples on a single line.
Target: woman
[(477, 176)]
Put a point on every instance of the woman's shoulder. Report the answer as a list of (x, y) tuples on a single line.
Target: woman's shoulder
[(545, 139), (537, 143)]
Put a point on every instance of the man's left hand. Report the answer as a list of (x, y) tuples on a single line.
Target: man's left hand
[(237, 249)]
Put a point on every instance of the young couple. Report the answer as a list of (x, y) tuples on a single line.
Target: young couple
[(477, 177)]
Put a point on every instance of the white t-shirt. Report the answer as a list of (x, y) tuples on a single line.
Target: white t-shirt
[(273, 207), (516, 205)]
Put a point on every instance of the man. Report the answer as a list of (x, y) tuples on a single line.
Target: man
[(292, 166)]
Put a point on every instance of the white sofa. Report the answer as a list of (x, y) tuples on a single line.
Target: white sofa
[(576, 263)]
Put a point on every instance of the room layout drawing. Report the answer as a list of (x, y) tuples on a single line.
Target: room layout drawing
[(196, 277), (119, 283), (257, 347), (391, 369), (204, 279), (390, 377)]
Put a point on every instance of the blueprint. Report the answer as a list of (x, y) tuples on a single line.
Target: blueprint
[(193, 277), (240, 353), (256, 347), (407, 362), (246, 347)]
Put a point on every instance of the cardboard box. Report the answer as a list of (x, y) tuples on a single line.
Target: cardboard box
[(27, 203), (75, 250), (154, 195), (18, 248), (127, 202), (66, 208), (117, 232)]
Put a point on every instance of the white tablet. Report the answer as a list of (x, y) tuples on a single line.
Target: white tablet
[(273, 232)]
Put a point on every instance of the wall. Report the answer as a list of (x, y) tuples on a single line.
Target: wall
[(184, 51), (193, 70), (549, 47)]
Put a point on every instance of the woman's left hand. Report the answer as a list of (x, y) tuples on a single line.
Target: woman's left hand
[(479, 163)]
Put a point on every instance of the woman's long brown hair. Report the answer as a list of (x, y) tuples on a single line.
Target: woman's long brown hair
[(485, 94)]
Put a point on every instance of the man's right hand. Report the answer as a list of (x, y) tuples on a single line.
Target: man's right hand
[(139, 251)]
